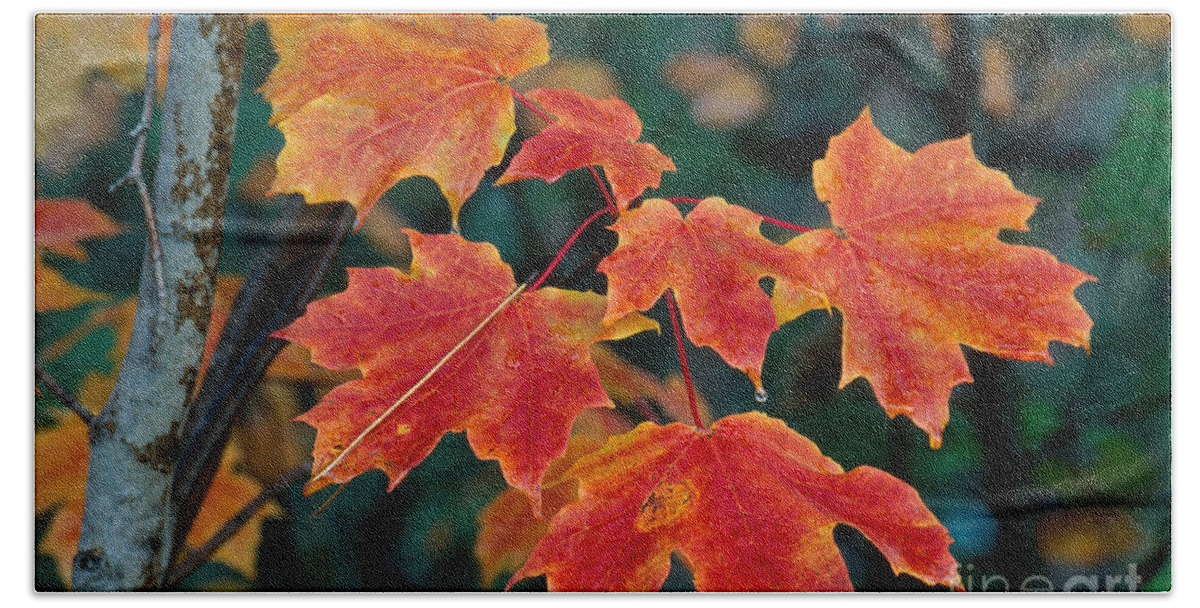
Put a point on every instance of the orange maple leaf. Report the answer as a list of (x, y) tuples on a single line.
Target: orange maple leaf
[(589, 132), (749, 504), (365, 102), (915, 264), (60, 473), (52, 291), (119, 316), (58, 226), (446, 348), (713, 261)]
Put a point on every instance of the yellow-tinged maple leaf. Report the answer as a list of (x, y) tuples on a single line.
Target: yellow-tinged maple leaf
[(628, 384), (749, 504), (508, 527), (119, 316), (58, 226), (60, 472), (915, 264), (52, 291), (364, 102)]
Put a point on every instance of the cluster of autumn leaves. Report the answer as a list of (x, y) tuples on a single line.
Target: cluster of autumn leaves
[(911, 259)]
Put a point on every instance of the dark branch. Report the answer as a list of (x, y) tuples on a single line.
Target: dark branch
[(231, 527), (304, 242), (63, 395)]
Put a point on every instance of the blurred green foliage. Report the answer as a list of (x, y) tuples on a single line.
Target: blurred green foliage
[(1075, 108)]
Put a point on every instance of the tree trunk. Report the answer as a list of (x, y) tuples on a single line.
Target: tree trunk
[(135, 441)]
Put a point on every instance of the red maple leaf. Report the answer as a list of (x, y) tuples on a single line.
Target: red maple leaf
[(364, 102), (448, 347), (712, 260), (749, 504), (588, 132), (915, 264), (58, 226)]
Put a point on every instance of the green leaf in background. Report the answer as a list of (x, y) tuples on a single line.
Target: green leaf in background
[(1127, 200)]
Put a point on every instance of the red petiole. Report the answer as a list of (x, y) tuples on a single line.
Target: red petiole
[(687, 373), (612, 209), (562, 252), (529, 104)]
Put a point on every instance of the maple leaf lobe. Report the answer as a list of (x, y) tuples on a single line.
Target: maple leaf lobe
[(915, 264), (712, 260)]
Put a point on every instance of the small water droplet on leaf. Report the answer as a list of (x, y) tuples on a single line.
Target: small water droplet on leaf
[(760, 395)]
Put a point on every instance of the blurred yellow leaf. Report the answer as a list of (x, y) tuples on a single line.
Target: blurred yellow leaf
[(52, 291), (770, 39), (591, 77), (60, 475), (273, 443), (938, 25), (725, 92), (1149, 29), (83, 64), (996, 89), (1087, 537)]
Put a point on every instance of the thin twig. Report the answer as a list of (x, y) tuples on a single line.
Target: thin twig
[(63, 394), (140, 132), (235, 523), (608, 198)]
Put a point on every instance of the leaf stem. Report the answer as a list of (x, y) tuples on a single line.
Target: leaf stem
[(612, 205), (765, 218), (562, 252), (529, 104), (683, 362)]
